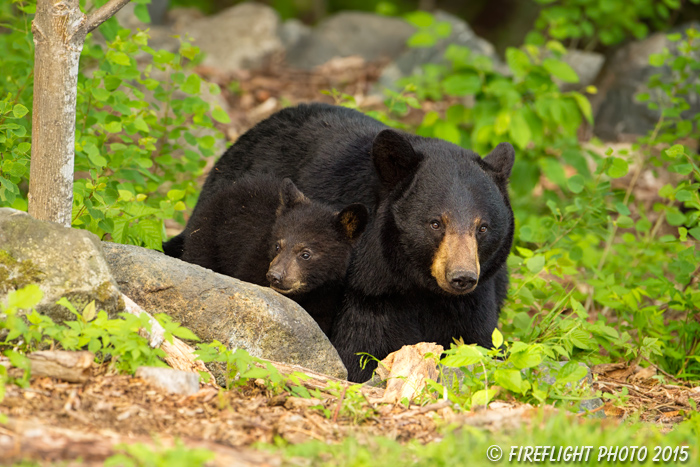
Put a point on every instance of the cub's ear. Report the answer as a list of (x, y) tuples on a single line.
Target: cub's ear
[(352, 221), (501, 161), (290, 196), (393, 157)]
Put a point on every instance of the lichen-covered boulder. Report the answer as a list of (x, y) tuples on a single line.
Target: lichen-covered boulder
[(217, 307), (63, 262)]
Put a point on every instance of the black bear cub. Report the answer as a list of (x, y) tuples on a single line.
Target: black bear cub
[(263, 230)]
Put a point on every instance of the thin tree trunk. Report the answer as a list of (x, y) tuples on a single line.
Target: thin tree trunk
[(59, 29)]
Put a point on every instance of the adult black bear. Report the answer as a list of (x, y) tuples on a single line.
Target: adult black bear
[(431, 265), (262, 229)]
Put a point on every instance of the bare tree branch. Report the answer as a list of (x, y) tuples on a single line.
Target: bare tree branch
[(105, 12)]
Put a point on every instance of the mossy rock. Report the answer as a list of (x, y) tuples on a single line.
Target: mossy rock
[(63, 262)]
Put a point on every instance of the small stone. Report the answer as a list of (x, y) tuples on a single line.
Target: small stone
[(169, 380)]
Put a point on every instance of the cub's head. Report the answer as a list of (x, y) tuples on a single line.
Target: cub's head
[(311, 242), (447, 212)]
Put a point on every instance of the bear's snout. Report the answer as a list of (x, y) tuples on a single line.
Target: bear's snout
[(275, 277), (462, 281), (456, 263)]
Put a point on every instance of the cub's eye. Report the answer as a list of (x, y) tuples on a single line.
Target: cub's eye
[(483, 228), (306, 255), (435, 225), (277, 247)]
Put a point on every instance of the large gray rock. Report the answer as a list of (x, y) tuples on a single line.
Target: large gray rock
[(239, 37), (350, 33), (64, 262), (213, 306), (618, 115), (411, 61)]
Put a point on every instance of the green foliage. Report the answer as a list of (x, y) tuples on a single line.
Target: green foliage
[(16, 89), (141, 455), (428, 30), (140, 129), (115, 339), (527, 108), (241, 367), (137, 139), (527, 371), (589, 22)]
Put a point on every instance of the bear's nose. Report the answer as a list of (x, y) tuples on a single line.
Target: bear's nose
[(275, 277), (462, 281)]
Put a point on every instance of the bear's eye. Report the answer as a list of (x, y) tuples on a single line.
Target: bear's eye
[(435, 225), (483, 228), (277, 247), (305, 255)]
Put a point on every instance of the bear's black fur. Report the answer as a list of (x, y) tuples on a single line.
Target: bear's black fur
[(431, 265), (262, 229)]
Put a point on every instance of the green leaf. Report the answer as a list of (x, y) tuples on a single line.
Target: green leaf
[(657, 59), (462, 84), (624, 222), (26, 297), (675, 151), (580, 338), (570, 373), (141, 125), (519, 130), (465, 355), (174, 195), (118, 58), (618, 168), (621, 208), (561, 70), (113, 127), (576, 183), (518, 61), (219, 115), (192, 84), (89, 312), (420, 19), (19, 111), (511, 380), (584, 105), (422, 39), (94, 155), (141, 12), (530, 356), (184, 333), (100, 94), (482, 397), (497, 338), (695, 232)]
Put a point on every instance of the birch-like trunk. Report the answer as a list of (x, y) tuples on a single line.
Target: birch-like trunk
[(59, 29)]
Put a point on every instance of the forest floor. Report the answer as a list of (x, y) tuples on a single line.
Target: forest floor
[(52, 421)]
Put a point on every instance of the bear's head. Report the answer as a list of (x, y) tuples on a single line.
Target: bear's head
[(445, 210), (311, 242)]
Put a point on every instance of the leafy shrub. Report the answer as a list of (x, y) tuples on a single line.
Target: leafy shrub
[(118, 340), (140, 129), (589, 22)]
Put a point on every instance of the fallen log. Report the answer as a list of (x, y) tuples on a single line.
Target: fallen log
[(73, 367)]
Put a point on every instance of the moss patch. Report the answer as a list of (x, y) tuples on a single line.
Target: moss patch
[(16, 274)]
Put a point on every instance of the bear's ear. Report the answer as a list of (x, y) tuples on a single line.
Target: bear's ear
[(393, 157), (290, 196), (501, 161), (352, 221)]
